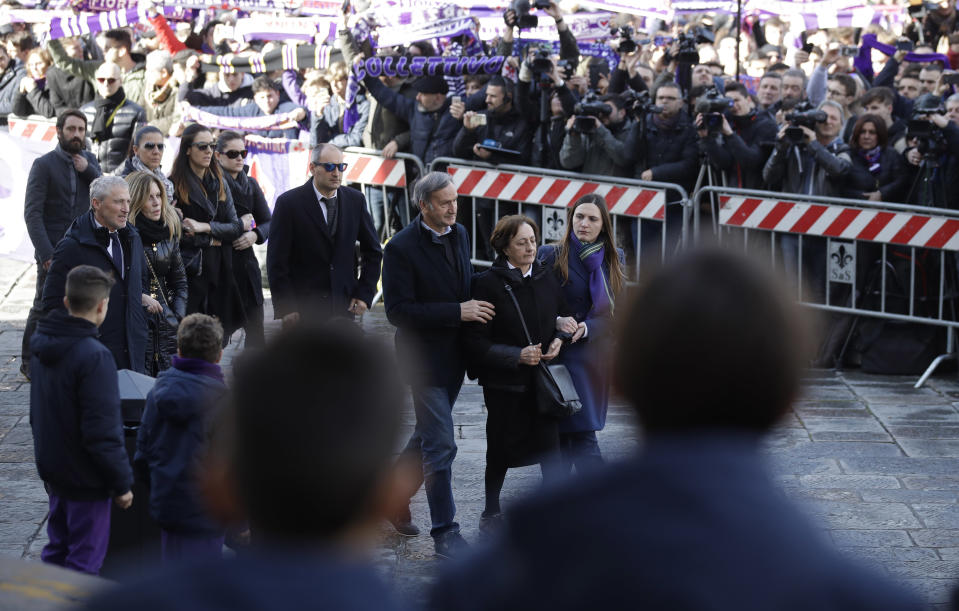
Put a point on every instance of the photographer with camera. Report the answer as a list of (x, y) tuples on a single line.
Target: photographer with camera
[(739, 140), (518, 16), (544, 98), (596, 138), (663, 145), (932, 155), (500, 126)]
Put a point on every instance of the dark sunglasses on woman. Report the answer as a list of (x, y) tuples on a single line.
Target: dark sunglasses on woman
[(203, 146), (153, 145), (235, 154)]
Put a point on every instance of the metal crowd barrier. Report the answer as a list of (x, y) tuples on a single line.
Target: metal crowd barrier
[(542, 194), (391, 177), (857, 257)]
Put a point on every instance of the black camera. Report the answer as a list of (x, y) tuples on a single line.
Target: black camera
[(524, 20), (712, 105), (585, 112), (623, 42), (803, 115), (542, 60), (688, 41), (931, 142), (638, 105)]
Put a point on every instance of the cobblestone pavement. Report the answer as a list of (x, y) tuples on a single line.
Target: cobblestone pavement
[(874, 461)]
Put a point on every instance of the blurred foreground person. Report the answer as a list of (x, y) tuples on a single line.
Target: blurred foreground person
[(694, 521), (312, 474)]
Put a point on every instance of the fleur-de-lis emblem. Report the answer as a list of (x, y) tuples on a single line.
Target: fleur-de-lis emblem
[(842, 257), (555, 221)]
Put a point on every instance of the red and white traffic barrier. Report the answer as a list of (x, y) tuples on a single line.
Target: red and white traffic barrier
[(549, 190), (372, 170), (883, 226), (32, 129)]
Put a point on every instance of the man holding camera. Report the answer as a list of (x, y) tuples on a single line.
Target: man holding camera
[(498, 135), (597, 144), (744, 140), (664, 149), (932, 155)]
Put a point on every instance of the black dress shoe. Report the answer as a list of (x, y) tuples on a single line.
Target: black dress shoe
[(490, 525), (450, 544), (404, 527)]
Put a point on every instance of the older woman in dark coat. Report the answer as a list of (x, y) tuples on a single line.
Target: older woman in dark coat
[(165, 291), (505, 362), (251, 206), (589, 267)]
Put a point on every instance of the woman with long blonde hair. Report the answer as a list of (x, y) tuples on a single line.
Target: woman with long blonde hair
[(590, 270), (159, 227)]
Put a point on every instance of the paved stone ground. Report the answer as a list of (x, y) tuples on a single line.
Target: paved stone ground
[(874, 461)]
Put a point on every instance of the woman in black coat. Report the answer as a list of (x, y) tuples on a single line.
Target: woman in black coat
[(251, 206), (210, 225), (878, 172), (505, 362), (166, 286)]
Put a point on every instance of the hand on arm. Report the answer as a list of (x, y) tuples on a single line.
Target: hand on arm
[(477, 311)]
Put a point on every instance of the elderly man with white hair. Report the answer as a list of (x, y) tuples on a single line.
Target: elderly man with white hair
[(102, 238)]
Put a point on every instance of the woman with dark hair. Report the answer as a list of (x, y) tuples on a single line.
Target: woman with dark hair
[(500, 355), (147, 156), (878, 172), (33, 96), (210, 225), (251, 207), (589, 268), (159, 227)]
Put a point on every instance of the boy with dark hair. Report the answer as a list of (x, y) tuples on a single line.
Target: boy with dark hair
[(173, 435), (304, 451), (76, 423)]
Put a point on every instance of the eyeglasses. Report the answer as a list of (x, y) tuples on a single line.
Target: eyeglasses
[(836, 92), (108, 81), (329, 167), (153, 145), (203, 146), (235, 154)]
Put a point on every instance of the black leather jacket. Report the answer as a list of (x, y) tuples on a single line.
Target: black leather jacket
[(112, 152), (167, 279)]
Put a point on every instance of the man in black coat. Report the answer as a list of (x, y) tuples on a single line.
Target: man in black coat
[(310, 257), (694, 520), (113, 118), (58, 191), (102, 238), (426, 290)]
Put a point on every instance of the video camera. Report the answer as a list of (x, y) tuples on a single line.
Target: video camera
[(586, 111), (688, 53), (712, 105), (638, 105), (541, 64), (623, 39), (522, 8), (803, 115), (931, 141)]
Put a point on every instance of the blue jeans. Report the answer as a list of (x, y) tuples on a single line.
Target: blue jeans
[(581, 450), (433, 437)]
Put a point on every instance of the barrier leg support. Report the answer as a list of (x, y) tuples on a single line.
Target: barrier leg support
[(950, 339)]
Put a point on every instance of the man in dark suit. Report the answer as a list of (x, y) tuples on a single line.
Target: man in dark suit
[(58, 191), (426, 290), (310, 255), (694, 521), (103, 238)]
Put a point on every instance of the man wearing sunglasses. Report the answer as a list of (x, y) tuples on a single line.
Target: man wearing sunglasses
[(113, 118), (310, 256)]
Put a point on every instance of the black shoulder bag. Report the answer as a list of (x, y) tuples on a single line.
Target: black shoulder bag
[(555, 394)]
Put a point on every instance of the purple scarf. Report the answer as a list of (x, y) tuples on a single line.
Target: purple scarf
[(872, 159), (199, 367), (592, 256)]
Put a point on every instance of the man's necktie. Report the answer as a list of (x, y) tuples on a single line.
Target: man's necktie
[(330, 213), (117, 251)]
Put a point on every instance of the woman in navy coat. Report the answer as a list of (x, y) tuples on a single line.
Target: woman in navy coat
[(590, 269)]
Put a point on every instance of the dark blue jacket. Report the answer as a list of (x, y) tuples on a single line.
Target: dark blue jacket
[(281, 579), (124, 331), (431, 133), (75, 411), (694, 522), (173, 433), (422, 294)]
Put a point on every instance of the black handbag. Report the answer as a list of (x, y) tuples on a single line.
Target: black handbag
[(169, 314), (556, 395)]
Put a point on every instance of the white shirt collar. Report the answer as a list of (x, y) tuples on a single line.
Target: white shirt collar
[(528, 273), (434, 232), (320, 196), (97, 224)]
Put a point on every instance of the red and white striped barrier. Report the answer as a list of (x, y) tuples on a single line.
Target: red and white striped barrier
[(626, 200), (373, 170), (901, 228), (32, 129)]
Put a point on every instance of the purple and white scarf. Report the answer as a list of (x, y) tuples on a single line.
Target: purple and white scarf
[(87, 23), (593, 255), (242, 124)]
